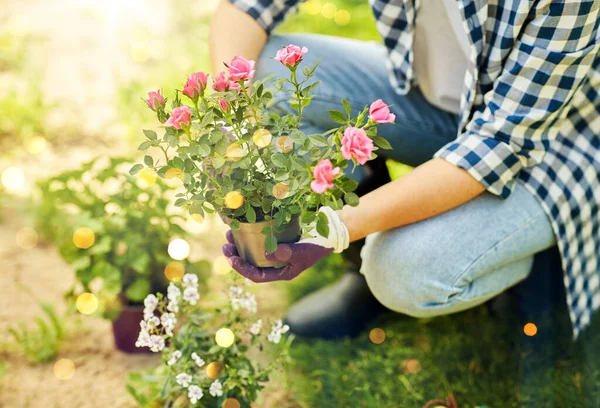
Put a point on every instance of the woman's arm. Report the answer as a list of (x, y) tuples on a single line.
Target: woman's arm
[(233, 32), (431, 189)]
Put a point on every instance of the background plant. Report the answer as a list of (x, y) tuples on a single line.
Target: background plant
[(206, 360), (113, 229)]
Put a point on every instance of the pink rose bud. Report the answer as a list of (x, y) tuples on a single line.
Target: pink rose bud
[(291, 55), (181, 115), (195, 85), (379, 112), (240, 69), (222, 83), (356, 145), (324, 174), (224, 105), (155, 99)]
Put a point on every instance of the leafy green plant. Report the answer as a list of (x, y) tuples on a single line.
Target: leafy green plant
[(206, 359), (113, 229), (240, 160)]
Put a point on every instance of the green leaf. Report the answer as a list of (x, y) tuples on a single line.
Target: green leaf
[(323, 225), (271, 243), (347, 107), (136, 168), (218, 162), (338, 117), (308, 217), (351, 199), (145, 145), (234, 225), (297, 136), (319, 140), (138, 290), (150, 134), (251, 215), (382, 143), (148, 160), (349, 185)]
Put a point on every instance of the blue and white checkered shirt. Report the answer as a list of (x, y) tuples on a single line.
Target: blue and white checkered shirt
[(530, 111)]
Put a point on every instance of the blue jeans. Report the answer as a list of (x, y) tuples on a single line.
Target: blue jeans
[(447, 263)]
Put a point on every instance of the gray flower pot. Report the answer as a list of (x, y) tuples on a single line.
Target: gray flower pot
[(250, 241)]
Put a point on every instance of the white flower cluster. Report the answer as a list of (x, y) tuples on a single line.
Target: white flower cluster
[(242, 300), (174, 357), (216, 389), (154, 330), (256, 327), (198, 360), (277, 330), (195, 393)]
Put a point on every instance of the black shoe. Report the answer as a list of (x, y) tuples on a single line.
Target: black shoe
[(342, 309)]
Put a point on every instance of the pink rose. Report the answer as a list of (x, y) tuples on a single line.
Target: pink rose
[(356, 145), (379, 112), (195, 85), (291, 55), (224, 105), (155, 99), (222, 83), (324, 174), (180, 115), (240, 69)]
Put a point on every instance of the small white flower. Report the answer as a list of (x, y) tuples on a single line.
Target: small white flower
[(183, 379), (150, 302), (195, 393), (191, 295), (173, 292), (153, 322), (235, 291), (172, 306), (198, 360), (277, 331), (256, 327), (157, 343), (190, 279), (174, 357), (216, 389), (143, 339), (168, 319)]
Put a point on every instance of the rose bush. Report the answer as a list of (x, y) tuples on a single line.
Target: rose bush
[(248, 164)]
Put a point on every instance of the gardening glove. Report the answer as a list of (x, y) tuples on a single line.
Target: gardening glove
[(300, 256)]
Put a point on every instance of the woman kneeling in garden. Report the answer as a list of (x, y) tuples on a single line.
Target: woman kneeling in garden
[(497, 104)]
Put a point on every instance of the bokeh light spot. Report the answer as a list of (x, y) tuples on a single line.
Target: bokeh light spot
[(174, 271), (224, 337), (234, 200), (342, 17), (27, 238), (328, 10), (377, 336), (36, 144), (179, 249), (197, 217), (231, 403), (312, 7), (84, 237), (214, 370), (13, 178), (64, 369), (412, 366), (530, 329), (221, 265), (87, 303), (146, 178)]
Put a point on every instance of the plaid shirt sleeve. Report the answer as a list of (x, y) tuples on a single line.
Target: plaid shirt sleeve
[(268, 13), (512, 130)]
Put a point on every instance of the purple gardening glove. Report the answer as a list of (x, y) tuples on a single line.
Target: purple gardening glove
[(299, 256)]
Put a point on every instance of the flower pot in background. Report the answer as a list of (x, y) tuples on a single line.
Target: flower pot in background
[(250, 241), (126, 329)]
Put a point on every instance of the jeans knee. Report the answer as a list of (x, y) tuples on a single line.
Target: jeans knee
[(404, 278)]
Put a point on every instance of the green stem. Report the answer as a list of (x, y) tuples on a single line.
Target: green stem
[(298, 95)]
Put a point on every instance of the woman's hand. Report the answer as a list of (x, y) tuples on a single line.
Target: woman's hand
[(299, 256)]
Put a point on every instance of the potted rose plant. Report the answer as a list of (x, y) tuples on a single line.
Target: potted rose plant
[(255, 168), (113, 230), (205, 351)]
